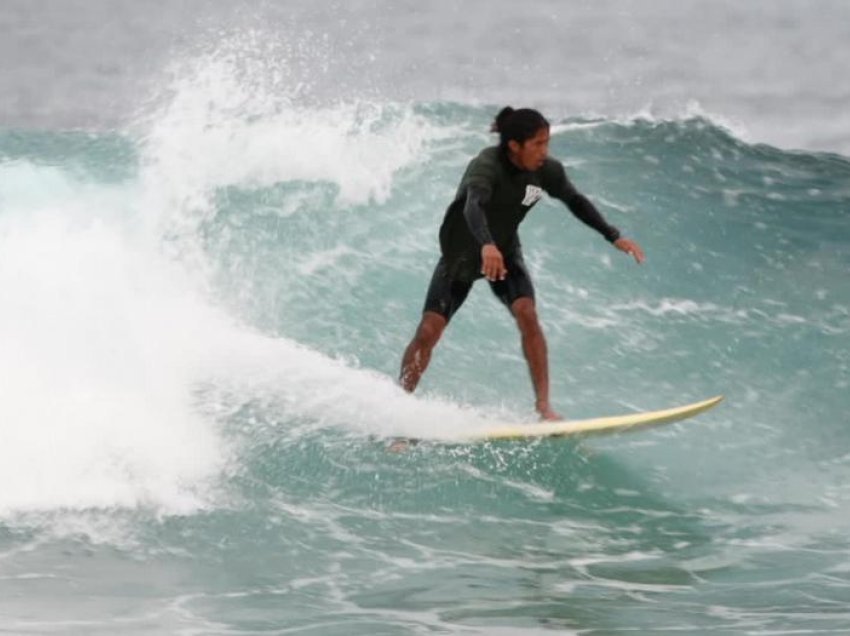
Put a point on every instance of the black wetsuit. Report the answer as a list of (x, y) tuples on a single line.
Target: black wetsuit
[(492, 200)]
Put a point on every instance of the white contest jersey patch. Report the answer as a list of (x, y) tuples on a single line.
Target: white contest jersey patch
[(532, 194)]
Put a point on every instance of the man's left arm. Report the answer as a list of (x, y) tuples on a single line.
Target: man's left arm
[(560, 187)]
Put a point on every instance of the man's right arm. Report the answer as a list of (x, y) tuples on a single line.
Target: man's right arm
[(492, 261), (473, 212)]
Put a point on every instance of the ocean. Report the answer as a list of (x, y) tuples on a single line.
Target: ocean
[(217, 226)]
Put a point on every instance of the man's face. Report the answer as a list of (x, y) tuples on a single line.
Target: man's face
[(531, 154)]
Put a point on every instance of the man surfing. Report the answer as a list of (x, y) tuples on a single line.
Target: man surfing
[(478, 239)]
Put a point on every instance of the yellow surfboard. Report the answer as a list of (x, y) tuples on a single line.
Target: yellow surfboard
[(595, 426)]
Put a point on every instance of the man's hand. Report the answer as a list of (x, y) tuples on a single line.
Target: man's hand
[(630, 247), (492, 263)]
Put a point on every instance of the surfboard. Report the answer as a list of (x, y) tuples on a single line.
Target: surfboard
[(595, 426)]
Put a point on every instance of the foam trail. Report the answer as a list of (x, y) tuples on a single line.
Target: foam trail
[(297, 383)]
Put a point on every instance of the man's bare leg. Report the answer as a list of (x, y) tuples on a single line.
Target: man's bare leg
[(415, 360), (418, 353), (534, 348)]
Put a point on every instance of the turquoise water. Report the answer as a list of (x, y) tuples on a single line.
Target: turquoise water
[(202, 319)]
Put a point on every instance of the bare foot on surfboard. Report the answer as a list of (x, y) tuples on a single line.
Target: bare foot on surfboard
[(547, 414)]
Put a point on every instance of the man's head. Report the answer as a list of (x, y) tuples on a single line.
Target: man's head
[(523, 135)]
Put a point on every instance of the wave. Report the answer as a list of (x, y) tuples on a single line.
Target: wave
[(244, 250)]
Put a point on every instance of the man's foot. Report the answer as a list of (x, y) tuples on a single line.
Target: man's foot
[(547, 414)]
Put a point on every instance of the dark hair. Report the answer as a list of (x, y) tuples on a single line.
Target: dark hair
[(517, 125)]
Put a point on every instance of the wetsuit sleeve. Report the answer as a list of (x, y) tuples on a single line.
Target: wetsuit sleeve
[(473, 212), (584, 210), (559, 186)]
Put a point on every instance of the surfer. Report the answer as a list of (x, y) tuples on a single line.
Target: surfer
[(478, 239)]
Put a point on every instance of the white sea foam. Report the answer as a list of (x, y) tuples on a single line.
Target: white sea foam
[(110, 348), (224, 124), (99, 340)]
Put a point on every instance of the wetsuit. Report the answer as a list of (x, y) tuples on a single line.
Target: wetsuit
[(491, 201)]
